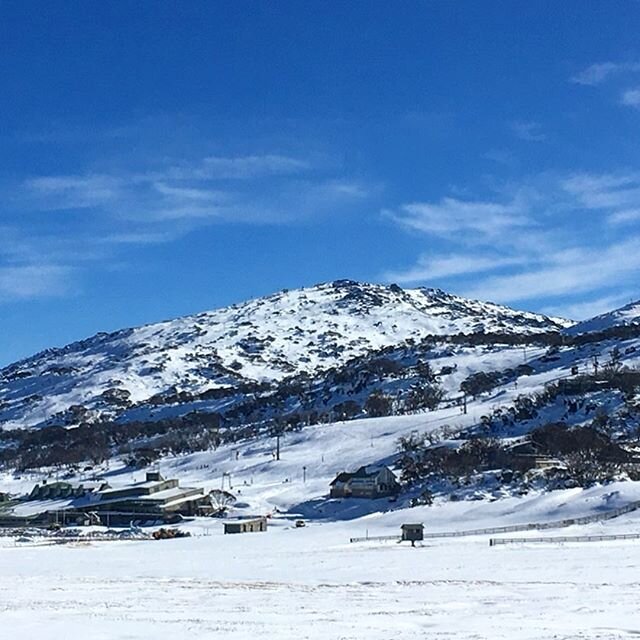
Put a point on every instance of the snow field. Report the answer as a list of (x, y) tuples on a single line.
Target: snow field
[(311, 584)]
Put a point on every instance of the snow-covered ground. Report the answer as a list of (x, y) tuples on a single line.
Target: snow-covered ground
[(627, 315), (312, 583)]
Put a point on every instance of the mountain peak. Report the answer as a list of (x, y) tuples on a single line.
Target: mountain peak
[(262, 340)]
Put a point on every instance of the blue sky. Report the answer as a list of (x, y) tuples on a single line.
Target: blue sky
[(164, 158)]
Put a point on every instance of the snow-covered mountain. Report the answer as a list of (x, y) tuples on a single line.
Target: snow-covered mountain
[(264, 340), (624, 316), (346, 374)]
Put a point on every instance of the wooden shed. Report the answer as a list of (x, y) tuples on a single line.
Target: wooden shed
[(246, 525)]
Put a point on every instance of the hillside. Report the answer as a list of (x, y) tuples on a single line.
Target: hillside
[(624, 316), (421, 361), (264, 341), (449, 413)]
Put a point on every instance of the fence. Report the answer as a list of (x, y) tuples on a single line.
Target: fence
[(557, 524), (375, 539), (594, 538)]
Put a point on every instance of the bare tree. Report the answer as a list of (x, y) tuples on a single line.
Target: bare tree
[(220, 501)]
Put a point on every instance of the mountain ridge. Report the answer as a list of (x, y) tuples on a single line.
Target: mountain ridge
[(262, 340), (627, 315)]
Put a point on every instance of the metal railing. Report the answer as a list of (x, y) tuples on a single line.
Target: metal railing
[(557, 524), (375, 539), (557, 539)]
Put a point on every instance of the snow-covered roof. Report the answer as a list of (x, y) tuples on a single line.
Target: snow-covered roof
[(366, 471)]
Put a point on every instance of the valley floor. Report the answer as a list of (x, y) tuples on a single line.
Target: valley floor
[(311, 583)]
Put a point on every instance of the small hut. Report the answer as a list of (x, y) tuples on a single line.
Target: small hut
[(412, 533)]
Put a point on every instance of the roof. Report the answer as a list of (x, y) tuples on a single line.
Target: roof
[(245, 520), (167, 497), (147, 484), (417, 525), (167, 494), (366, 471), (342, 477), (93, 485)]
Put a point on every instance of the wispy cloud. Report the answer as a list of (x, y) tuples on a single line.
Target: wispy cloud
[(246, 167), (140, 237), (71, 192), (571, 272), (617, 194), (598, 73), (150, 203), (231, 189), (528, 131), (429, 268), (558, 237), (591, 308), (34, 281), (451, 216), (625, 216)]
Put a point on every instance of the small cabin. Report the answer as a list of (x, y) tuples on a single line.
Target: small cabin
[(246, 525), (412, 533)]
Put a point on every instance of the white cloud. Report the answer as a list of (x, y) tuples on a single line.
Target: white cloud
[(537, 244), (625, 216), (73, 191), (233, 168), (583, 310), (600, 72), (199, 191), (153, 203), (252, 166), (597, 74), (190, 193), (616, 193), (139, 237), (631, 98)]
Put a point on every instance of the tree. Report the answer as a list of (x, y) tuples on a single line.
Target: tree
[(425, 371), (585, 467), (480, 382), (346, 410), (378, 404), (424, 499), (425, 396), (220, 501), (614, 364)]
